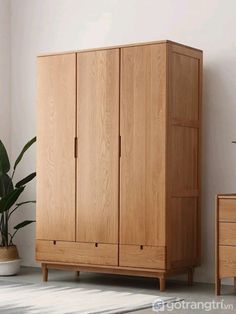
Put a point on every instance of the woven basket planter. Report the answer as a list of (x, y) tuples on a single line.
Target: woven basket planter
[(9, 261), (8, 253)]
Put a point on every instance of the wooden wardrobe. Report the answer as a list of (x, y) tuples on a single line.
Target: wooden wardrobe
[(118, 162)]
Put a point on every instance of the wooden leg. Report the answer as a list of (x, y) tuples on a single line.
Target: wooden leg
[(190, 277), (235, 284), (45, 272), (162, 281), (77, 273), (217, 286)]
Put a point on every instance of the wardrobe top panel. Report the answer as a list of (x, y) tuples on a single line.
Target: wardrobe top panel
[(119, 46)]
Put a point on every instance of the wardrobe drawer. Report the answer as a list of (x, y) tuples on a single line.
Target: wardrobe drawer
[(227, 210), (142, 256), (77, 253), (227, 261), (98, 253), (227, 233)]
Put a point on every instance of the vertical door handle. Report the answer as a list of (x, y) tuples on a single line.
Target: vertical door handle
[(120, 145), (76, 147)]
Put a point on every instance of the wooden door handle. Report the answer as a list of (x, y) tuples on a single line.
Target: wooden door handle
[(120, 145), (76, 147)]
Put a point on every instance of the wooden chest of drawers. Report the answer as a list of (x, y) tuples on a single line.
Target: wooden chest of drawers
[(225, 239)]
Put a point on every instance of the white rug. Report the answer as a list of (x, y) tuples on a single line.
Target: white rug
[(45, 299)]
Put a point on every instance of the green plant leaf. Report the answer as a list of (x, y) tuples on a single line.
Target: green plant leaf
[(6, 184), (18, 205), (9, 200), (23, 224), (27, 146), (27, 202), (26, 180), (4, 160)]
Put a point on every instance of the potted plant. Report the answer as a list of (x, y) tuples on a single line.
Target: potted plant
[(9, 194)]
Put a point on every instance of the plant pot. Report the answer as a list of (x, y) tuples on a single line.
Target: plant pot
[(9, 261)]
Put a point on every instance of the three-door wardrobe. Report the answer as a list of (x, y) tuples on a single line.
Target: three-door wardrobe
[(118, 160)]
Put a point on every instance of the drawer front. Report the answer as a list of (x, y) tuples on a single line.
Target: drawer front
[(142, 256), (227, 210), (227, 233), (100, 253), (227, 261), (77, 253)]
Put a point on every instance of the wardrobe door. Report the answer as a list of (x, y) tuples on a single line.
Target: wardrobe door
[(55, 147), (142, 174), (98, 146)]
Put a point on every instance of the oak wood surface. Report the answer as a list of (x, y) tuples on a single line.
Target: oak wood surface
[(184, 88), (156, 180), (217, 275), (183, 142), (142, 256), (225, 243), (187, 49), (98, 146), (184, 238), (45, 272), (227, 209), (227, 261), (227, 233), (142, 128), (184, 160), (55, 148), (77, 252)]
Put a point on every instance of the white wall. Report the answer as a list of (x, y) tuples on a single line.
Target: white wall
[(56, 25), (5, 72)]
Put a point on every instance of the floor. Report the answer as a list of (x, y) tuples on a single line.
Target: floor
[(198, 292)]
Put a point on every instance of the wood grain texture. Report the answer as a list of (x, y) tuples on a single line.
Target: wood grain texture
[(55, 148), (184, 88), (183, 142), (158, 86), (189, 50), (75, 252), (98, 146), (142, 174), (184, 236), (227, 261), (217, 275), (227, 233), (227, 209), (142, 256), (45, 272), (185, 51), (225, 239), (184, 160), (145, 272), (230, 196)]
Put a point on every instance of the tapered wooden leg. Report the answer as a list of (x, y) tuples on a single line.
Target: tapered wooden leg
[(190, 277), (45, 272), (162, 281), (77, 273), (217, 286)]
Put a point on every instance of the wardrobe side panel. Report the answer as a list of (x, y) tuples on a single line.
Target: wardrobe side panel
[(183, 156), (55, 147)]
